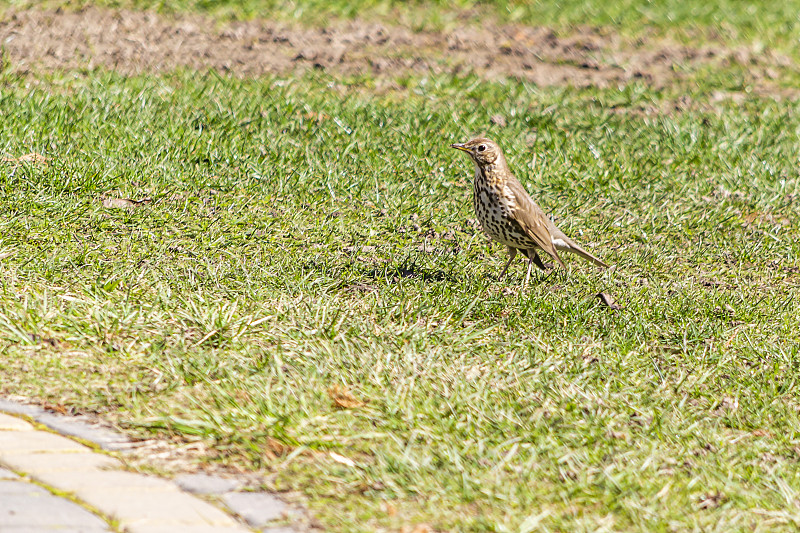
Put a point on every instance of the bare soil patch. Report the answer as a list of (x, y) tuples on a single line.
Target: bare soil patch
[(136, 42)]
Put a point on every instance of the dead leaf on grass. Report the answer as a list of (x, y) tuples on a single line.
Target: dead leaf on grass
[(473, 372), (618, 435), (363, 249), (38, 339), (343, 398), (124, 203), (727, 404), (419, 528), (588, 355), (716, 284), (608, 300), (56, 408), (765, 218), (318, 117), (499, 120), (33, 157), (361, 287), (275, 448), (711, 500), (341, 459)]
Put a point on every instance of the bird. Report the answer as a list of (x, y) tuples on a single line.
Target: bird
[(509, 215)]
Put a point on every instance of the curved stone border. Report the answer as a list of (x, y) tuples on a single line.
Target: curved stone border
[(28, 507), (138, 503)]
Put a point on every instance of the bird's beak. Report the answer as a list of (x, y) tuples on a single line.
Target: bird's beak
[(460, 146)]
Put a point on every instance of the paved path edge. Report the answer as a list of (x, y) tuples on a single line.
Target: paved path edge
[(76, 460)]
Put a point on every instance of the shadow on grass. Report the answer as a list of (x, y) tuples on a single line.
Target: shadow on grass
[(394, 274)]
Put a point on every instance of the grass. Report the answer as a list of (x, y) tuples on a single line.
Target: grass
[(308, 236)]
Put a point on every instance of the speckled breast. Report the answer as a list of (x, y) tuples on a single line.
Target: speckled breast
[(493, 210)]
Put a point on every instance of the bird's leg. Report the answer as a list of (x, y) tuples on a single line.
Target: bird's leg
[(534, 259), (512, 253), (528, 272), (533, 256)]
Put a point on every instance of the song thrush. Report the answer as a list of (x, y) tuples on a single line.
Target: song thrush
[(509, 215)]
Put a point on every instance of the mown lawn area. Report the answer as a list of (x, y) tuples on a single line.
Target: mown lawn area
[(299, 283)]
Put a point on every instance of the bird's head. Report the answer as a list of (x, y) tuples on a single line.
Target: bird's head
[(482, 150)]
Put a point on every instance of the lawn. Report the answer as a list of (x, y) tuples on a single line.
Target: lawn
[(300, 285)]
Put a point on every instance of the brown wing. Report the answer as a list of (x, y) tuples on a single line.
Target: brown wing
[(532, 219)]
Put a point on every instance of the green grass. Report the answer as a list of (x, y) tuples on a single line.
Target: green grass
[(226, 308), (316, 232)]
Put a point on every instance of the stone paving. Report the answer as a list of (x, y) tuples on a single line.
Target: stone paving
[(49, 482), (25, 507)]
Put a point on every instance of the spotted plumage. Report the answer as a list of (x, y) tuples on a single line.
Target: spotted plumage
[(509, 215)]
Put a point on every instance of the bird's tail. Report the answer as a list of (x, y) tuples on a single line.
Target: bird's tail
[(564, 243)]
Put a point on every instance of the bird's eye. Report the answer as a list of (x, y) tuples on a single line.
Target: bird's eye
[(482, 148)]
